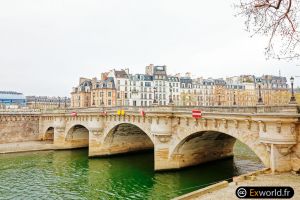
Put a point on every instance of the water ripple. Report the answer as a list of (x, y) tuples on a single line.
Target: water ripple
[(71, 175)]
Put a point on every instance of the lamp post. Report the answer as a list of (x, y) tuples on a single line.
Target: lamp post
[(260, 100), (65, 102), (234, 102), (293, 98), (154, 89), (58, 102)]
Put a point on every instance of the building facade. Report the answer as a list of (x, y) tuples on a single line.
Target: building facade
[(157, 87), (11, 99), (45, 102), (141, 92), (103, 93), (121, 81)]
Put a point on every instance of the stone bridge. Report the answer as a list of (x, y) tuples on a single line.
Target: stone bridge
[(178, 139)]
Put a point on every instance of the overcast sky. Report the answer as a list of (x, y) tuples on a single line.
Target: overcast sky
[(45, 46)]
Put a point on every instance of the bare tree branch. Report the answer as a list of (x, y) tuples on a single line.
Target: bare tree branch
[(277, 19)]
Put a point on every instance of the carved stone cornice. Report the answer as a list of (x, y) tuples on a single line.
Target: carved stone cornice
[(96, 131), (262, 126), (278, 126), (225, 123), (215, 123), (248, 124), (60, 129), (163, 138)]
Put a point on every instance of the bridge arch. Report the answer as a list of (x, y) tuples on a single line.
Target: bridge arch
[(49, 134), (204, 146), (126, 137), (77, 136)]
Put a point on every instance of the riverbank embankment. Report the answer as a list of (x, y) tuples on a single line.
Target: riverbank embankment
[(226, 191), (15, 147)]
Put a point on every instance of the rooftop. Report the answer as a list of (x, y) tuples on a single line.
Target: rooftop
[(11, 95)]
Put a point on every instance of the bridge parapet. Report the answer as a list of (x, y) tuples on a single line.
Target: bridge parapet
[(19, 111), (288, 109)]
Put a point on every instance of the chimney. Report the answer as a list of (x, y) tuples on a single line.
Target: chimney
[(127, 70)]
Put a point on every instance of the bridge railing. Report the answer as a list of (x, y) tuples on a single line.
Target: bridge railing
[(211, 109), (19, 111)]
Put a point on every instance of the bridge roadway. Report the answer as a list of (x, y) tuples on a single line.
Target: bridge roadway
[(178, 139)]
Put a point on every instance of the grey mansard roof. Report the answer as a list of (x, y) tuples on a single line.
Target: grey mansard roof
[(173, 79), (121, 74), (186, 80), (141, 77)]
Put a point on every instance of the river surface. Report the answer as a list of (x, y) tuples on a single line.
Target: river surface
[(71, 175)]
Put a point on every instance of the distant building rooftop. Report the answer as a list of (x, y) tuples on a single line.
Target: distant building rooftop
[(11, 95)]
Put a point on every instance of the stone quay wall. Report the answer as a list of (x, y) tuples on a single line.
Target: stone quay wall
[(19, 127)]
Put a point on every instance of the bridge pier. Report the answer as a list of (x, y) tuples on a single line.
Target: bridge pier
[(59, 137), (281, 140), (95, 137)]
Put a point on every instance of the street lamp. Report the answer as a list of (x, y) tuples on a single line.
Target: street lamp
[(154, 89), (58, 102), (234, 102), (260, 100), (293, 99), (65, 102)]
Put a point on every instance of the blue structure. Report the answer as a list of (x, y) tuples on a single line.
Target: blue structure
[(9, 98)]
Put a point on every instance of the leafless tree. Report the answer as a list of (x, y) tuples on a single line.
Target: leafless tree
[(276, 19)]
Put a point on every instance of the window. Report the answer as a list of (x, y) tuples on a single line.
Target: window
[(126, 96), (109, 102), (109, 94)]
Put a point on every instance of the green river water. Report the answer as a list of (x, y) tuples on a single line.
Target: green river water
[(71, 175)]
